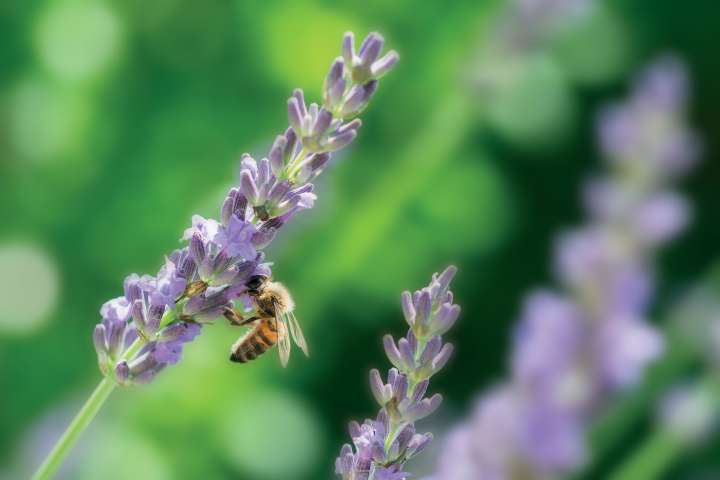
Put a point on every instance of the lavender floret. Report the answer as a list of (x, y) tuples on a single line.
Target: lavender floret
[(366, 64), (145, 330), (383, 446)]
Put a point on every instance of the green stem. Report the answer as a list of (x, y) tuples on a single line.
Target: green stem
[(76, 427), (82, 420), (651, 459), (663, 447), (295, 164), (628, 411), (682, 355)]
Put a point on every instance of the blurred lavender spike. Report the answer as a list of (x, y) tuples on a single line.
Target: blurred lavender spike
[(383, 446), (200, 281), (575, 348)]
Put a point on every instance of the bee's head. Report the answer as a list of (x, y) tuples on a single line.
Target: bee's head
[(255, 284)]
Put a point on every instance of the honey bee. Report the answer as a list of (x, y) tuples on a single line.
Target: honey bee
[(273, 323)]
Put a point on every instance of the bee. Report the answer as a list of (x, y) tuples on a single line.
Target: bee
[(273, 323)]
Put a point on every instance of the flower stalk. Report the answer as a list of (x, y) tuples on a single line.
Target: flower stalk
[(81, 421)]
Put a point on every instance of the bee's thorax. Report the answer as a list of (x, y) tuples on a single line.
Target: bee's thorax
[(278, 293)]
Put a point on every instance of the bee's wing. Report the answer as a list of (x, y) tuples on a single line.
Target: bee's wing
[(297, 333), (283, 338)]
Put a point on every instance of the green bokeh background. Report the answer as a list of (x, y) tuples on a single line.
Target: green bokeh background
[(119, 120)]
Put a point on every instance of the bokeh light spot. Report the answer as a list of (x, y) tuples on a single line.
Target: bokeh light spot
[(532, 106), (47, 121), (588, 60), (273, 435), (78, 39), (471, 212), (108, 449), (137, 457), (475, 211), (28, 287)]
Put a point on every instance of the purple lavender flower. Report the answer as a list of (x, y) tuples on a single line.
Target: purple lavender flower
[(113, 334), (157, 354), (145, 330), (574, 349), (382, 446), (646, 136), (271, 197), (318, 129)]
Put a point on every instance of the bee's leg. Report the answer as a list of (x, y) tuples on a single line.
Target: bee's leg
[(191, 319), (236, 319), (247, 321)]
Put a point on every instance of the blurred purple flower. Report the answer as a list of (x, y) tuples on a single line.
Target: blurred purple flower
[(646, 135), (572, 351), (145, 330), (628, 345), (383, 446)]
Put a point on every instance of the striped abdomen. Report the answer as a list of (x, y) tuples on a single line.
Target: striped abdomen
[(255, 342)]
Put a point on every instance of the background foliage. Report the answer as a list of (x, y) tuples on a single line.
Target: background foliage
[(118, 120)]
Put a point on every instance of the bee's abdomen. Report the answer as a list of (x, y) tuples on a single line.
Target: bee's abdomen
[(254, 343)]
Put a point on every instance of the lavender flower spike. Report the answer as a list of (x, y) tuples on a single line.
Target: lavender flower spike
[(382, 446), (145, 330), (577, 346)]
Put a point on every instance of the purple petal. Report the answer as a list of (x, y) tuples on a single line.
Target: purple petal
[(408, 355), (408, 308), (342, 140), (378, 387), (371, 48), (445, 318), (348, 48), (322, 122), (420, 390), (99, 338), (197, 248), (385, 64), (248, 186), (138, 313), (122, 371), (400, 387), (263, 237), (295, 117), (354, 124), (298, 94), (431, 349), (442, 358), (423, 307), (392, 352), (276, 155), (180, 332)]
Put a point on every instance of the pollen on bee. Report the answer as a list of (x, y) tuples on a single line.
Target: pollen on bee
[(195, 288)]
